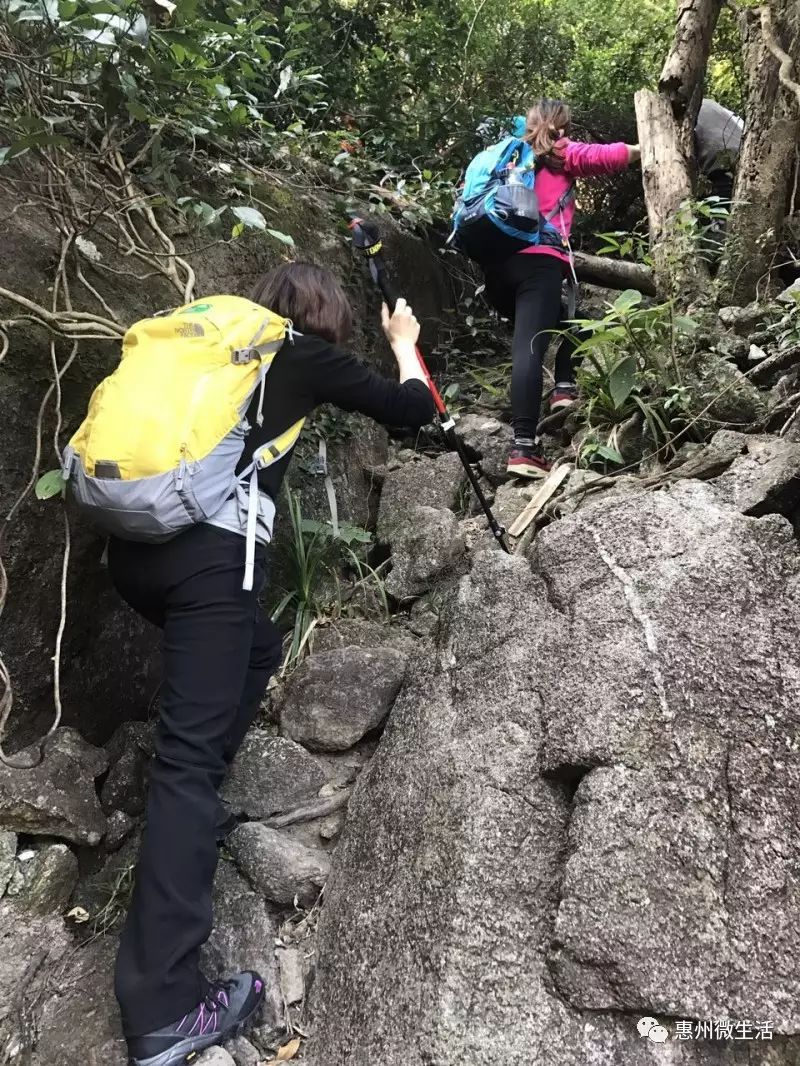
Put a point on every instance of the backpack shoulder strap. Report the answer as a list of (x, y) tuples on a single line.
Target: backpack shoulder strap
[(564, 199)]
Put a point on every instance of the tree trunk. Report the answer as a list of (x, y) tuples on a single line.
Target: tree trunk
[(666, 123), (684, 71), (666, 172), (767, 158), (615, 273)]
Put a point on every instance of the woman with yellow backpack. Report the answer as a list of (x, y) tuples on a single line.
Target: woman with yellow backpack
[(180, 460)]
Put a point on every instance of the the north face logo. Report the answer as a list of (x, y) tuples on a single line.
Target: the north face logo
[(190, 329)]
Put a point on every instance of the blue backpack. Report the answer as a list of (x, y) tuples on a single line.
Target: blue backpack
[(497, 213)]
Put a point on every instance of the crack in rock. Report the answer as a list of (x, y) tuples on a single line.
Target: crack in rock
[(638, 611)]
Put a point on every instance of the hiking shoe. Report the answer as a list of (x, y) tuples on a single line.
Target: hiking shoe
[(528, 461), (223, 1014), (563, 396)]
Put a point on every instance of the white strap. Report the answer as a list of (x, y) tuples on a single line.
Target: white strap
[(260, 412), (329, 486), (252, 521)]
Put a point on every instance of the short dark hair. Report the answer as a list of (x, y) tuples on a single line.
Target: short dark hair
[(310, 296)]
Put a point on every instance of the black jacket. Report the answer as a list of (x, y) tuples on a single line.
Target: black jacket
[(310, 371)]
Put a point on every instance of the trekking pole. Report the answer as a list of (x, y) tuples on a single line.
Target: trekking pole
[(367, 239)]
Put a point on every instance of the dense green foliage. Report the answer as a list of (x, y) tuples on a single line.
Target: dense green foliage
[(393, 95)]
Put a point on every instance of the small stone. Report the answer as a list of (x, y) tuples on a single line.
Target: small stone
[(215, 1056), (278, 867), (335, 697), (756, 354), (45, 883), (291, 966), (57, 797), (242, 1052), (332, 825), (120, 826), (8, 851), (270, 775)]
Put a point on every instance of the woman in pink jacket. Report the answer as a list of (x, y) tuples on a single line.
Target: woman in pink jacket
[(527, 287)]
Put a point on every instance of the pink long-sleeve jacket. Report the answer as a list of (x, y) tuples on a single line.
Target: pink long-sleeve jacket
[(580, 161)]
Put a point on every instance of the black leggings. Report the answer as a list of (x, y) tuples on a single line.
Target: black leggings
[(527, 289), (219, 652)]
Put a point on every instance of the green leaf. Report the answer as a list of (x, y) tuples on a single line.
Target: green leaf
[(50, 484), (137, 110), (627, 300), (684, 324), (250, 217), (237, 230), (609, 453), (622, 381), (284, 238)]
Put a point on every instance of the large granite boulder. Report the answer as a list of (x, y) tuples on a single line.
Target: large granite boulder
[(335, 697), (584, 808)]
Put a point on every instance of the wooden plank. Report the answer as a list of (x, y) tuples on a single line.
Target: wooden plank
[(549, 486)]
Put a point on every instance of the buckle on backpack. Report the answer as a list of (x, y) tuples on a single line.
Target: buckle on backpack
[(240, 356)]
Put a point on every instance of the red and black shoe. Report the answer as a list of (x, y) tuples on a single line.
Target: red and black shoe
[(563, 396), (527, 460)]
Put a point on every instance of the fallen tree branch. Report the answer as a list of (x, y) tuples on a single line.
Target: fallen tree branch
[(778, 361), (615, 273), (307, 812), (786, 68)]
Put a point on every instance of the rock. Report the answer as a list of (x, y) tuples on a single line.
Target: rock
[(416, 521), (79, 1020), (243, 1053), (215, 1056), (731, 347), (32, 948), (8, 851), (577, 481), (430, 545), (742, 319), (45, 883), (791, 294), (510, 501), (330, 827), (489, 440), (291, 967), (277, 867), (271, 774), (57, 798), (362, 633), (130, 750), (335, 697), (104, 891), (436, 483), (424, 615), (756, 354), (120, 827), (243, 938), (764, 479), (732, 397), (545, 841)]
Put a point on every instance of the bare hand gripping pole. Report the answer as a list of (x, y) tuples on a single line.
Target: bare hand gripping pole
[(367, 239)]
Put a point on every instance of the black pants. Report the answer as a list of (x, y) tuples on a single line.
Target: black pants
[(527, 289), (219, 652)]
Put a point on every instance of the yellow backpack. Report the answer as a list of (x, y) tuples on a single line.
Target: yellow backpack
[(164, 433)]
